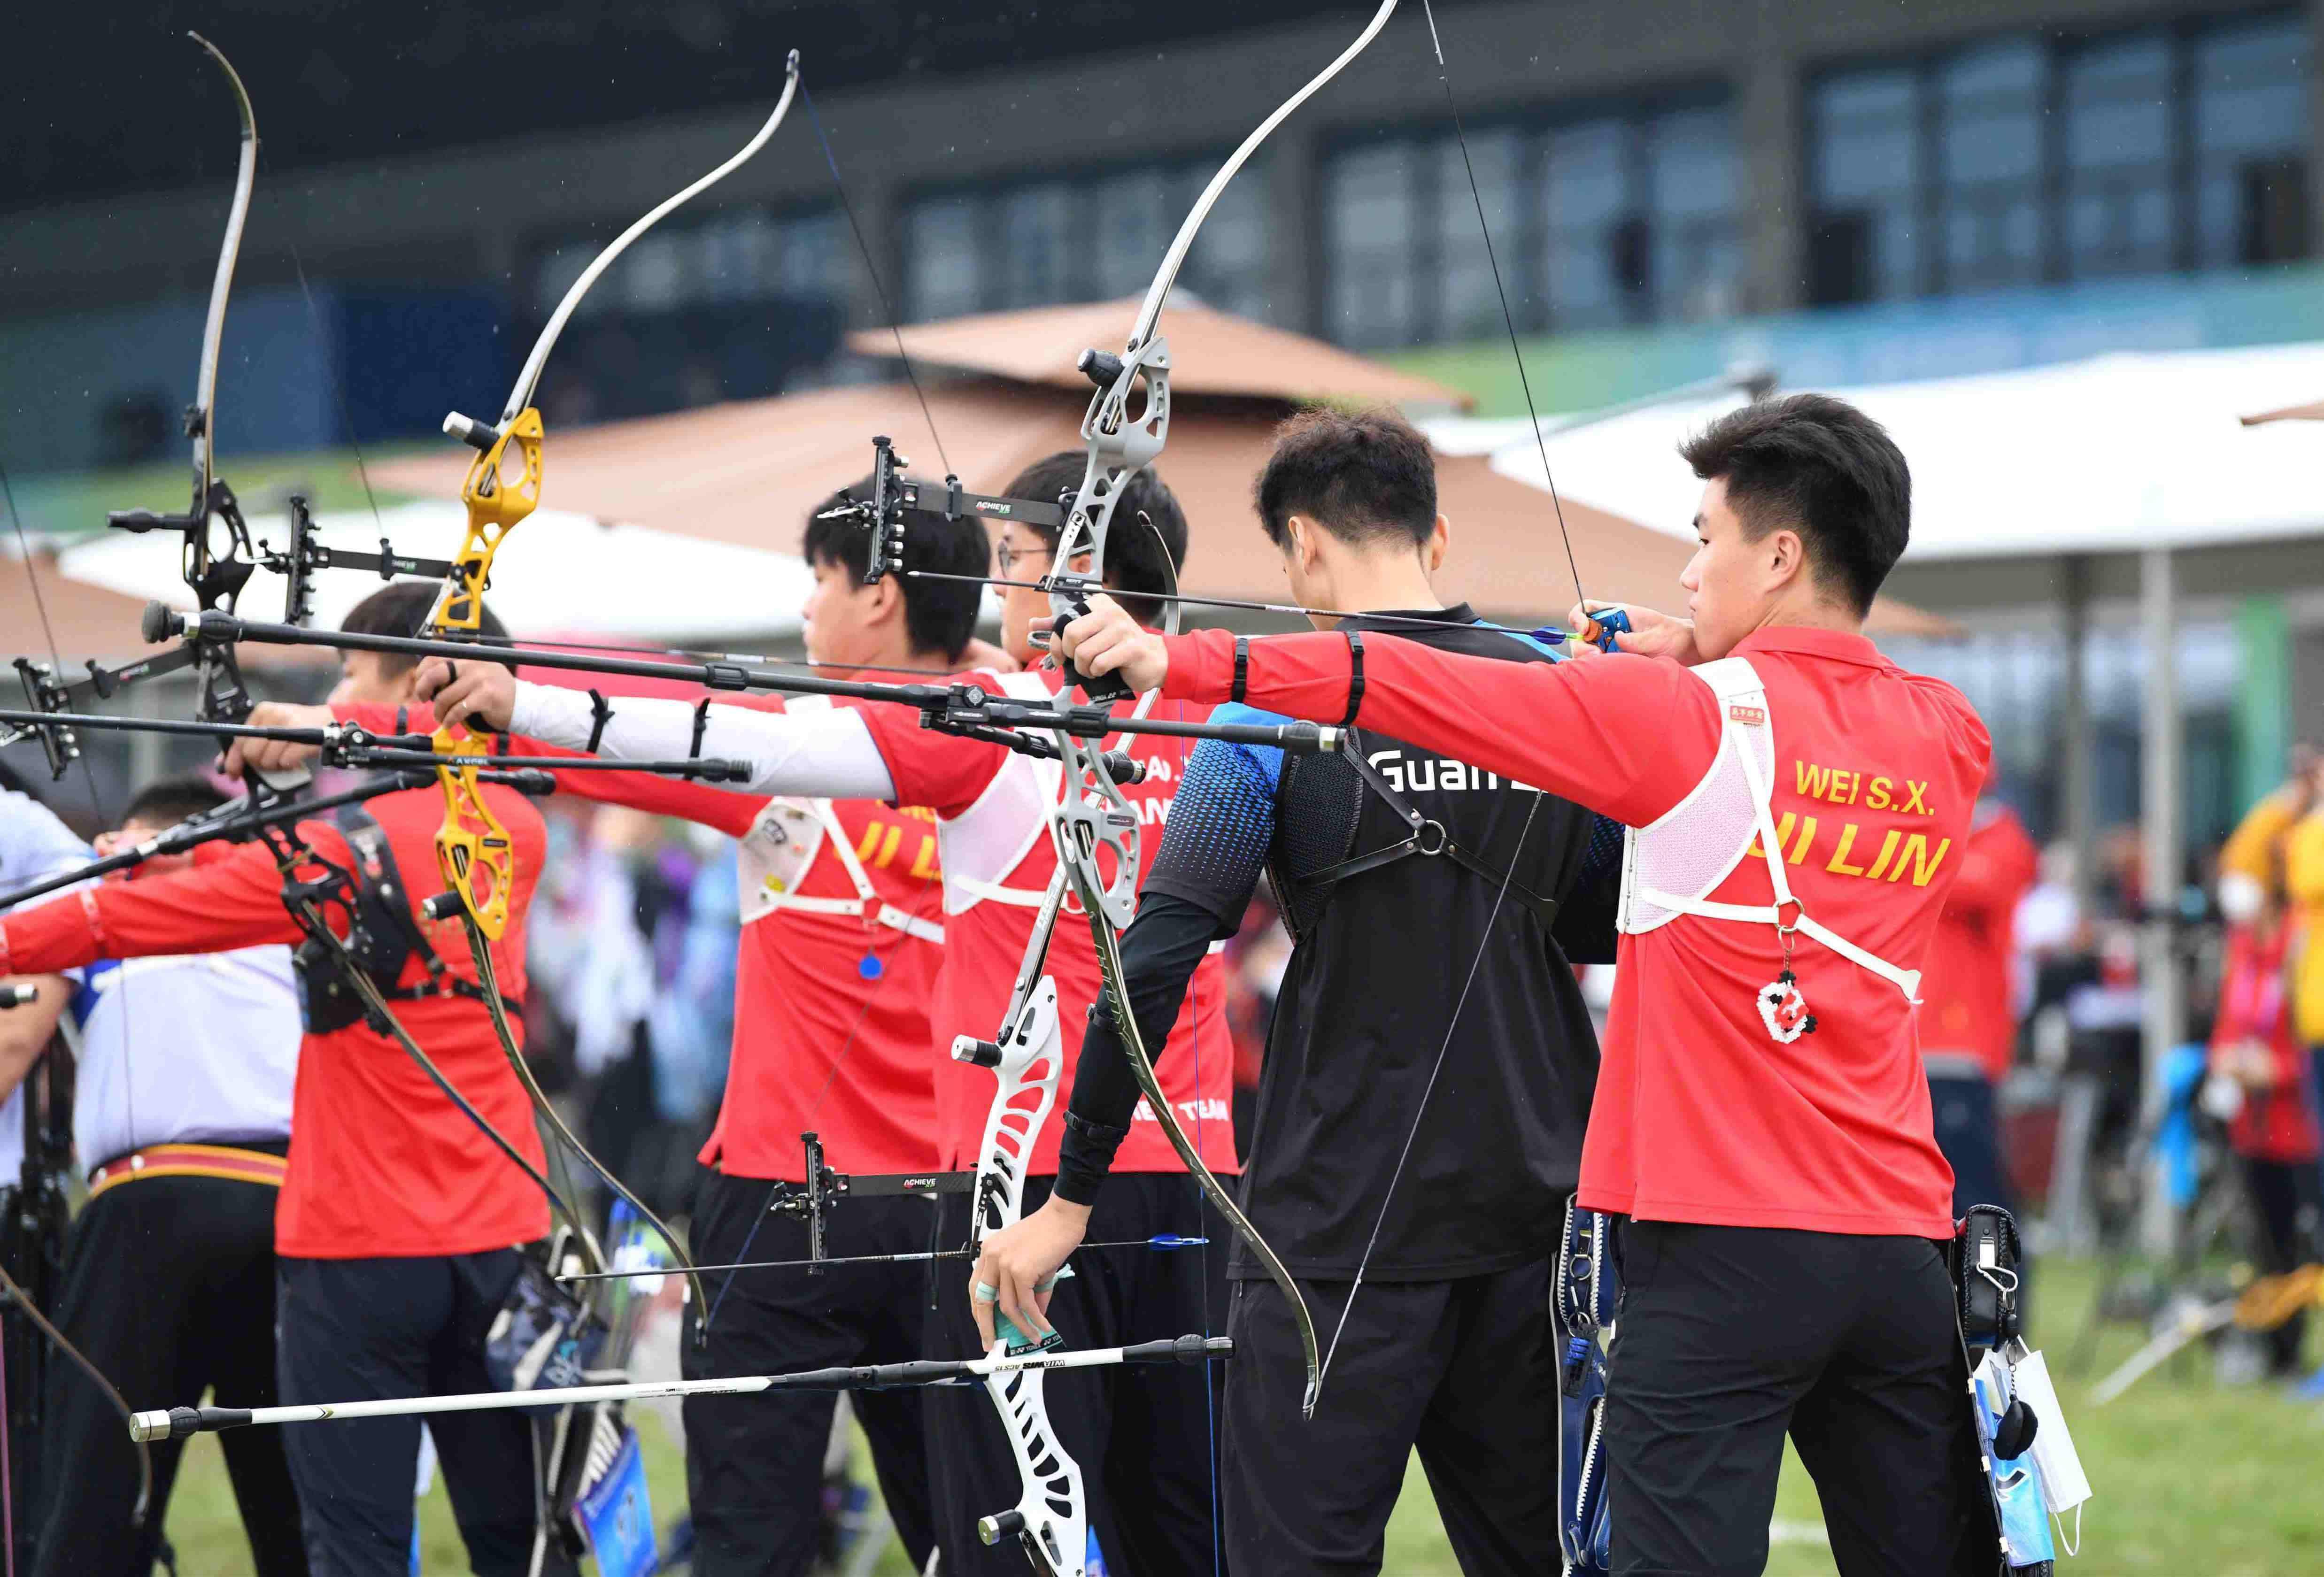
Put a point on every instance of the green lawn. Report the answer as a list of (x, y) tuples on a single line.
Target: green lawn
[(2191, 1478)]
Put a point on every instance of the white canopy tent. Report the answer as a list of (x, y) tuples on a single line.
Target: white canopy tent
[(2116, 453), (560, 574)]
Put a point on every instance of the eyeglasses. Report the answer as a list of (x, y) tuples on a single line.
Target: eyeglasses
[(1008, 557)]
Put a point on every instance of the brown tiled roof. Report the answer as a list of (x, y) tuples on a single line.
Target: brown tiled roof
[(1211, 353), (748, 472), (90, 622)]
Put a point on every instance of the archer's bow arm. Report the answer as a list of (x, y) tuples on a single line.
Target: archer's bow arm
[(825, 754)]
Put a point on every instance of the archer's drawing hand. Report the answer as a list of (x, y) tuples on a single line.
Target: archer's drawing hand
[(274, 755), (480, 697), (1106, 640), (1018, 1260), (1650, 634)]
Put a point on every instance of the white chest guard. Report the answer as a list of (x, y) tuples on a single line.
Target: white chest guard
[(1670, 867), (983, 843), (775, 855)]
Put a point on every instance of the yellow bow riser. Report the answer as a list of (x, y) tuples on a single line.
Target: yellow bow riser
[(472, 847), (496, 502), (473, 852)]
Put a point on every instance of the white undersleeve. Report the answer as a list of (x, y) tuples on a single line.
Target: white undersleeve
[(825, 754)]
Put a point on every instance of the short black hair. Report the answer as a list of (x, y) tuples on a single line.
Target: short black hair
[(1366, 476), (402, 609), (13, 782), (939, 615), (167, 801), (1147, 547), (1823, 469)]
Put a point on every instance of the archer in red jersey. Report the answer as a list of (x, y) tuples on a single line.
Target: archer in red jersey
[(1969, 1012), (841, 950), (991, 808), (1796, 806), (395, 1227)]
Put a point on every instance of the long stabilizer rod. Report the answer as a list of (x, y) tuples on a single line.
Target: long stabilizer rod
[(176, 1422)]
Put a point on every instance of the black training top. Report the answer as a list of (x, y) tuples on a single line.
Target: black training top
[(1461, 948)]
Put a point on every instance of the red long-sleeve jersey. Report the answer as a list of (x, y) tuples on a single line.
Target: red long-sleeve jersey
[(1967, 1001), (381, 1165), (1700, 1115), (831, 1011)]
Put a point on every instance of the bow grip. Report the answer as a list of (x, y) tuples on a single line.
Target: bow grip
[(1107, 688)]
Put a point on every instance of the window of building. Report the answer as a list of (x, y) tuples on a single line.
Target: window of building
[(1596, 221), (2026, 160), (2251, 140), (1082, 239)]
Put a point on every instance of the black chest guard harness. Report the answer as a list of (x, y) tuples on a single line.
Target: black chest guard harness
[(383, 936), (1424, 835)]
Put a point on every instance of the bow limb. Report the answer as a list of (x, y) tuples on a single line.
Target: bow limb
[(1150, 310), (1141, 1065), (198, 419), (496, 1005), (521, 396)]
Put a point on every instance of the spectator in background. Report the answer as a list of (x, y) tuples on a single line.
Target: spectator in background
[(1969, 1020), (2049, 931), (2252, 855), (2303, 879), (2260, 1072)]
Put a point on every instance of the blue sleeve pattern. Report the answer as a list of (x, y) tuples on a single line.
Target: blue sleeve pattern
[(1222, 822)]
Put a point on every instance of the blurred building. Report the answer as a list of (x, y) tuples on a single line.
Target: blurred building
[(1853, 192)]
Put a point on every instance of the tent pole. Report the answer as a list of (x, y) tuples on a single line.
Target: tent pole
[(2162, 861)]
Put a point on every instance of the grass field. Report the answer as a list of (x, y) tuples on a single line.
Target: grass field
[(2191, 1478)]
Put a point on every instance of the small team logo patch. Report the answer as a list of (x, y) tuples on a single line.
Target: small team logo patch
[(1749, 717)]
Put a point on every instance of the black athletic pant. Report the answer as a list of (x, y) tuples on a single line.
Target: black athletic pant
[(168, 1288), (352, 1330), (2289, 1198), (754, 1464), (1463, 1370), (1144, 1436), (1727, 1337)]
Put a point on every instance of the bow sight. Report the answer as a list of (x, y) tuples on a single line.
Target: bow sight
[(297, 563), (895, 496)]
